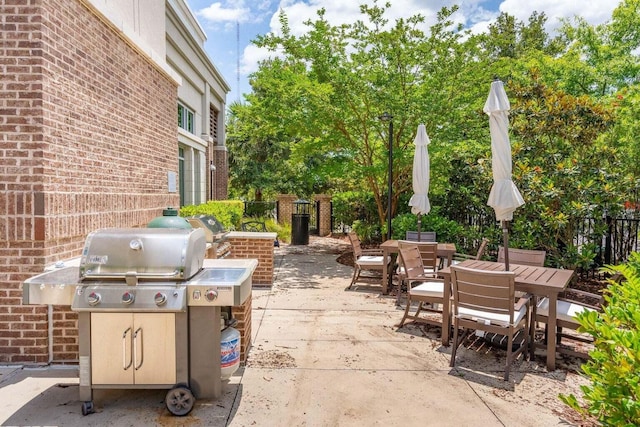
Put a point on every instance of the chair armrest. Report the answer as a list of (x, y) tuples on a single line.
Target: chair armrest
[(522, 300), (372, 252), (421, 279), (460, 256), (587, 299), (425, 278)]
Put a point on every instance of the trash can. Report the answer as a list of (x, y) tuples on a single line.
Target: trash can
[(300, 223)]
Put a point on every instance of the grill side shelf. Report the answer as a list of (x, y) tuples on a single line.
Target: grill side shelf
[(54, 287)]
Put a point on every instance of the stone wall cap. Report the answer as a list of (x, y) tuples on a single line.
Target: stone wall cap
[(271, 235)]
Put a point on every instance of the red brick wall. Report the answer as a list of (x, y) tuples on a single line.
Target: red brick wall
[(242, 313), (87, 137), (246, 246)]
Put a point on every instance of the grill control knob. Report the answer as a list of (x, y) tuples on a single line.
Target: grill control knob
[(211, 295), (93, 298), (128, 297), (160, 299)]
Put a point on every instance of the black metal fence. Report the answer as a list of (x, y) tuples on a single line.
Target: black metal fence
[(271, 210), (611, 239), (260, 209)]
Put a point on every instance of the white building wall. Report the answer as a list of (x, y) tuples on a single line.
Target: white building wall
[(202, 86)]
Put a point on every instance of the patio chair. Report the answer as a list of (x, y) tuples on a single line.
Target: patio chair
[(425, 236), (459, 257), (485, 301), (366, 260), (422, 288), (570, 303), (258, 226), (428, 254), (523, 256)]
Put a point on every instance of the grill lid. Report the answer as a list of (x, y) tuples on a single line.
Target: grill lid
[(142, 253), (213, 228)]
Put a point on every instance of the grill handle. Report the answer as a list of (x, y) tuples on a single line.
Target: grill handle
[(135, 349), (174, 273), (125, 366)]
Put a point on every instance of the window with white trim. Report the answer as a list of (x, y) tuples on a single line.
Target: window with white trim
[(186, 118)]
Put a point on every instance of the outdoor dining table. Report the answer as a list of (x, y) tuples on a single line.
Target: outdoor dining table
[(537, 281), (389, 247)]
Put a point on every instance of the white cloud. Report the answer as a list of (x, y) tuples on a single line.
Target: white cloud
[(593, 11), (218, 13), (250, 58), (261, 16)]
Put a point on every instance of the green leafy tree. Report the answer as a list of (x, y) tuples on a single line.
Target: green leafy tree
[(564, 167), (339, 79)]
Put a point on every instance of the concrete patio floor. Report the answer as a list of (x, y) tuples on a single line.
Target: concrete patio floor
[(323, 356)]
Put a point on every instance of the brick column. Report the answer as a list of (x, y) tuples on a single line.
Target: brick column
[(285, 208), (242, 313), (324, 220), (255, 245)]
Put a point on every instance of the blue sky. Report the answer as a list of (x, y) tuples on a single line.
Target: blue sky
[(230, 25)]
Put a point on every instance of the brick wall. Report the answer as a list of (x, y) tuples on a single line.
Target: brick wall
[(324, 221), (251, 245), (242, 313), (87, 137), (285, 208), (221, 174)]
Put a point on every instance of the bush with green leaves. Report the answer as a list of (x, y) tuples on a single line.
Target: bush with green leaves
[(367, 232), (613, 396), (351, 206), (228, 212), (447, 230)]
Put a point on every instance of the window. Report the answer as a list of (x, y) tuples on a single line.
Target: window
[(181, 175), (213, 122), (186, 118)]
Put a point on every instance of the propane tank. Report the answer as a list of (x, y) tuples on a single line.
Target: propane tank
[(229, 352), (169, 219)]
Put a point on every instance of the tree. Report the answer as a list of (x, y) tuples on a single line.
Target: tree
[(564, 166), (335, 81)]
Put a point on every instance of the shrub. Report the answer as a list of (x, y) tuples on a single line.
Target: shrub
[(351, 206), (613, 396), (228, 212), (368, 233), (447, 230)]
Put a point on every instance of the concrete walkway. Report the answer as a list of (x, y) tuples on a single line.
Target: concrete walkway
[(322, 356)]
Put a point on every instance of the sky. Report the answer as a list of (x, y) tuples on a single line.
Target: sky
[(231, 25)]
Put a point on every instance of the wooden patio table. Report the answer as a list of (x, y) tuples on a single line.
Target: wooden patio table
[(389, 247), (538, 281)]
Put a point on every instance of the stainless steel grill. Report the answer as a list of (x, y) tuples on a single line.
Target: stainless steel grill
[(149, 309), (215, 233)]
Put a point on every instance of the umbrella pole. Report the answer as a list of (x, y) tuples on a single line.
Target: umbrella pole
[(419, 225), (505, 238)]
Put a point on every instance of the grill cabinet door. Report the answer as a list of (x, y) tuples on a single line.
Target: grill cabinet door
[(111, 348), (155, 344), (133, 348)]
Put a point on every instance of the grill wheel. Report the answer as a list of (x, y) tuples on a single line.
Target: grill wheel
[(179, 400)]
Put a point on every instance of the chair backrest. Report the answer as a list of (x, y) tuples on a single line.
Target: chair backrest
[(355, 244), (254, 226), (428, 252), (523, 256), (411, 260), (425, 236), (489, 291), (482, 248)]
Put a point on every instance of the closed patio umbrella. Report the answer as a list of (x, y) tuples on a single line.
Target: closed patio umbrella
[(504, 197), (419, 202)]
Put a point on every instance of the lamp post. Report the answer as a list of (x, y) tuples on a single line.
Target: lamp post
[(386, 117), (212, 169)]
